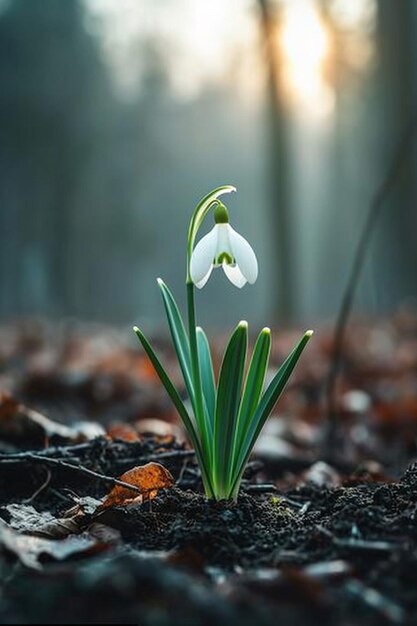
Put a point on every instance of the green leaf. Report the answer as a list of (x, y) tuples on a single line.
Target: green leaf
[(265, 408), (253, 388), (199, 214), (179, 405), (207, 374), (179, 337), (227, 406)]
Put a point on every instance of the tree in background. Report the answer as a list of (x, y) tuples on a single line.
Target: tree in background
[(65, 152), (280, 212)]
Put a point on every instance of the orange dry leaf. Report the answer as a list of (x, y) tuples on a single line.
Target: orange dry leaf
[(124, 432), (148, 478)]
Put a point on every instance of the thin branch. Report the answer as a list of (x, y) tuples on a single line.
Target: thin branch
[(63, 453), (393, 173), (51, 451), (44, 460), (163, 456), (41, 488)]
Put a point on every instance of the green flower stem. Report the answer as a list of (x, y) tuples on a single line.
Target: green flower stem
[(195, 366)]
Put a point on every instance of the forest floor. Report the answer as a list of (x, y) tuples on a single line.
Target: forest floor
[(315, 537)]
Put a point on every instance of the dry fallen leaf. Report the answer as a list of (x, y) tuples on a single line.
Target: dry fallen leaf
[(26, 519), (22, 425), (148, 478), (123, 432), (31, 551), (84, 505), (323, 475), (158, 428)]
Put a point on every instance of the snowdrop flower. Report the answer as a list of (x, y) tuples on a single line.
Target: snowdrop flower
[(223, 247)]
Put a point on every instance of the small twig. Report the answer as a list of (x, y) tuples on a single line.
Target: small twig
[(393, 172), (364, 545), (61, 496), (183, 468), (41, 488), (374, 599), (62, 452), (175, 454), (37, 458), (261, 488), (43, 459), (163, 456), (52, 451)]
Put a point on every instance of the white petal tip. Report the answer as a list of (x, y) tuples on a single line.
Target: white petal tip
[(243, 324), (160, 281), (244, 255), (136, 329), (309, 333), (252, 279), (266, 331)]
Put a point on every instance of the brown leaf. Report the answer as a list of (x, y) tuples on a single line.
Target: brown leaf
[(159, 428), (148, 478), (22, 425), (123, 432)]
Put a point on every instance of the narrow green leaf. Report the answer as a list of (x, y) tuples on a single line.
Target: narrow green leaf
[(253, 388), (227, 405), (265, 407), (179, 405), (179, 337), (207, 374)]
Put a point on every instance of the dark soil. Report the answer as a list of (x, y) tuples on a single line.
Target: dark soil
[(306, 554), (303, 545)]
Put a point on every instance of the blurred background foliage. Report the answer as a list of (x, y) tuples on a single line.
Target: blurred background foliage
[(116, 116)]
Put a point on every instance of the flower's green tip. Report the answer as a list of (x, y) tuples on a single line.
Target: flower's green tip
[(243, 324), (266, 331), (136, 329), (221, 214), (309, 333)]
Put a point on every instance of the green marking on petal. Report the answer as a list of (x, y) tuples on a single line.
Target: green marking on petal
[(224, 257)]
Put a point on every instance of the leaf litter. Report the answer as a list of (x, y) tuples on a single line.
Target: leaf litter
[(324, 546)]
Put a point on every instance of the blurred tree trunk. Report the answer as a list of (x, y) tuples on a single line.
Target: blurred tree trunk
[(278, 179), (397, 97)]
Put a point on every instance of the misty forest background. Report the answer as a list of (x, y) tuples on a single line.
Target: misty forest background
[(111, 129)]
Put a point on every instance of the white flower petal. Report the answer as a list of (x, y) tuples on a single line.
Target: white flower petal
[(205, 278), (203, 255), (223, 242), (244, 255), (234, 274)]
